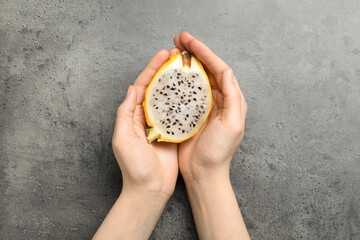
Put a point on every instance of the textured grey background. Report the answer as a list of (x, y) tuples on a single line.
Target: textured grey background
[(65, 67)]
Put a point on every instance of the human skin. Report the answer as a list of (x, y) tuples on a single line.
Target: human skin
[(150, 170), (204, 160)]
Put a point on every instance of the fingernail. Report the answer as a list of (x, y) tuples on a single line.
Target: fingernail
[(230, 76), (129, 91)]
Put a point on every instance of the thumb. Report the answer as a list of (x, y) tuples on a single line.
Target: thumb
[(232, 99), (125, 114)]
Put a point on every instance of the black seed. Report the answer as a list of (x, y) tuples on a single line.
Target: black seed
[(174, 84), (202, 106), (168, 119), (168, 98), (179, 128), (172, 133), (189, 95), (179, 83), (170, 109), (194, 92), (167, 86), (205, 96), (193, 76), (153, 95), (172, 89), (163, 110), (161, 92), (179, 90), (168, 126), (187, 115), (176, 93), (189, 100), (174, 123), (186, 103), (182, 81), (177, 77), (167, 103), (156, 90), (194, 124), (199, 88), (170, 77), (157, 108), (180, 124), (163, 88), (203, 111), (177, 120), (159, 79), (156, 98), (179, 74), (194, 99), (154, 105), (167, 132), (165, 94), (167, 114), (183, 131), (199, 111), (185, 120), (182, 97)]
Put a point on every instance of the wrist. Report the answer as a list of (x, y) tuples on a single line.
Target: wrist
[(212, 181), (143, 193), (206, 173)]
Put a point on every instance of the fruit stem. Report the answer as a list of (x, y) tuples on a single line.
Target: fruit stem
[(152, 134), (186, 58)]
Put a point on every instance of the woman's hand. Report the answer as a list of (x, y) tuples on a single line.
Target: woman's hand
[(149, 170), (210, 151), (204, 160), (145, 167)]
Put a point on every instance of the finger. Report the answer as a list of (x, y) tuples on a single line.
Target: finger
[(177, 43), (148, 73), (232, 100), (244, 106), (125, 115), (205, 55), (212, 79), (174, 50)]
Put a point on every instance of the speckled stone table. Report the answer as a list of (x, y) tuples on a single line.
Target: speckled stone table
[(65, 67)]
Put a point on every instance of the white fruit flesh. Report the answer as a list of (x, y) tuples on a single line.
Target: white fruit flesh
[(179, 100)]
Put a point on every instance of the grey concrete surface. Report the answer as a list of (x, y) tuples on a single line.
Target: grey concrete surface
[(65, 67)]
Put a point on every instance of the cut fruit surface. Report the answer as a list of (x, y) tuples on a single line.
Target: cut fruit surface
[(177, 100)]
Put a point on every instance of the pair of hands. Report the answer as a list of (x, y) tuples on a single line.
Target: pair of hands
[(150, 170), (153, 168)]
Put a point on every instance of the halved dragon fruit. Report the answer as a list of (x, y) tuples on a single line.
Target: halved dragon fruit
[(178, 99)]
